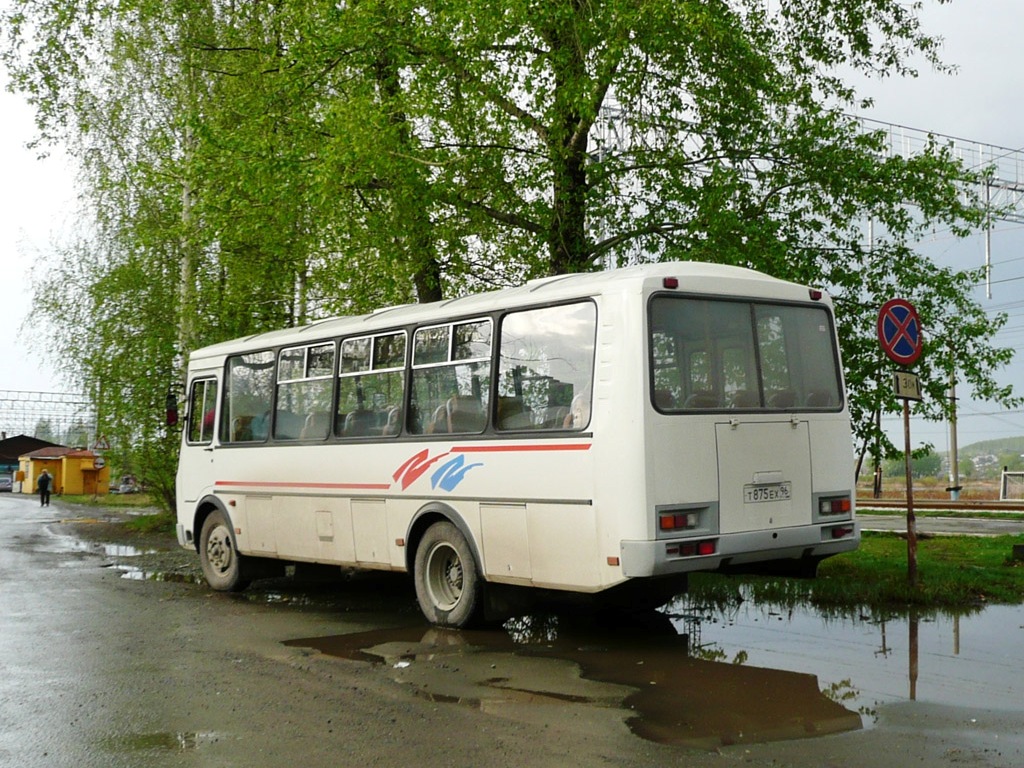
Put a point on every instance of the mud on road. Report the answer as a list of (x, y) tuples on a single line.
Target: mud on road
[(318, 671)]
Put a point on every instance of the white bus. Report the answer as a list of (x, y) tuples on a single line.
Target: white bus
[(600, 434)]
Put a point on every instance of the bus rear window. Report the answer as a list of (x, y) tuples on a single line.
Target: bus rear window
[(728, 354)]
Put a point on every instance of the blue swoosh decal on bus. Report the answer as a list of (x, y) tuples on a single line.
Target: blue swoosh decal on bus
[(451, 473), (447, 476)]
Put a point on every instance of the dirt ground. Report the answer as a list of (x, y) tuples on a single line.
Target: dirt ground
[(305, 706)]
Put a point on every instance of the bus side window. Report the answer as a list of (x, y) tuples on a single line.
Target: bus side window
[(249, 387), (451, 375), (371, 380), (201, 411), (546, 357)]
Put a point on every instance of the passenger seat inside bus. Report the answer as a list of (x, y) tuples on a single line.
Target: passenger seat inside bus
[(393, 421), (316, 426), (579, 412), (513, 413), (241, 429), (358, 423), (554, 417), (438, 422), (465, 414), (701, 399), (819, 399), (744, 398), (664, 399), (784, 398)]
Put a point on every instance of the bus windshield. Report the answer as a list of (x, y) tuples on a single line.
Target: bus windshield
[(717, 354)]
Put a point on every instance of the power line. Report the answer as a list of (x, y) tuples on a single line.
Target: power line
[(25, 412)]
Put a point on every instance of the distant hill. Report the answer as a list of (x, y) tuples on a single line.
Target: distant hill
[(1003, 445)]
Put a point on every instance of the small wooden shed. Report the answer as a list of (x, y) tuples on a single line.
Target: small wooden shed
[(75, 471)]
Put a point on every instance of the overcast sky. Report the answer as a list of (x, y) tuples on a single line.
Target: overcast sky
[(981, 103), (36, 202)]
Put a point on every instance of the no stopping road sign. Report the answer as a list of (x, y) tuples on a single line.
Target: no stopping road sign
[(899, 331)]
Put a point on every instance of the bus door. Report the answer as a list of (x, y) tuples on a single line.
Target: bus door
[(195, 464)]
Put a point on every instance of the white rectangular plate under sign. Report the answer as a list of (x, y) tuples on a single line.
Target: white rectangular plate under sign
[(753, 494), (908, 386)]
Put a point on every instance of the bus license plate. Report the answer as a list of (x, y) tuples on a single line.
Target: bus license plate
[(774, 492)]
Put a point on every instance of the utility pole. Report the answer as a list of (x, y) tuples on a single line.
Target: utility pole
[(954, 457)]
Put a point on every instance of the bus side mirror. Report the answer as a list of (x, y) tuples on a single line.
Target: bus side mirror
[(172, 410)]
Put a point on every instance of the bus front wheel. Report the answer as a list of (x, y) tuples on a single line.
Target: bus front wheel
[(448, 584), (221, 563)]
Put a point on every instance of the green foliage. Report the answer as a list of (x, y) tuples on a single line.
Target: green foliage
[(252, 166), (927, 464)]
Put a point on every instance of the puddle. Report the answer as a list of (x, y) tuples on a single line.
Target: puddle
[(707, 678), (164, 741), (132, 573), (642, 676), (122, 550), (970, 660), (72, 544)]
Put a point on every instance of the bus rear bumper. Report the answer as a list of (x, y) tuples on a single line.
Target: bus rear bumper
[(670, 556)]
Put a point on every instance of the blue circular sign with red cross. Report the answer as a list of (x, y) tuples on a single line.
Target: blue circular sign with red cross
[(899, 331)]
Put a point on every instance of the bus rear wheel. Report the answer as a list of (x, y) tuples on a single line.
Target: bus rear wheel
[(221, 563), (448, 584)]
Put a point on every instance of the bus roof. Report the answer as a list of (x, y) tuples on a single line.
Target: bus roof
[(699, 277)]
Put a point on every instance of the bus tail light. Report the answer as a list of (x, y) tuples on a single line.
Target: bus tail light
[(835, 506), (677, 521), (691, 548), (842, 531)]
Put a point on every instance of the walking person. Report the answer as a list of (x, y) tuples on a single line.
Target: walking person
[(43, 484)]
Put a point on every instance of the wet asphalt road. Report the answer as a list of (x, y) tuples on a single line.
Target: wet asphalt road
[(100, 670)]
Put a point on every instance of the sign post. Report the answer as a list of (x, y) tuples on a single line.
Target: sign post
[(899, 333)]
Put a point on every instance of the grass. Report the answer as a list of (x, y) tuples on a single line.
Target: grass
[(981, 514), (954, 573), (158, 523), (149, 522), (112, 500)]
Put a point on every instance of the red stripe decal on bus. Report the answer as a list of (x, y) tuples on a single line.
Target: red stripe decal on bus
[(520, 448), (258, 484)]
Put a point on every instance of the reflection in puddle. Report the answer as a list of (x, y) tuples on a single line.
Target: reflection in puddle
[(132, 573), (105, 549), (164, 741), (641, 675), (123, 550), (969, 660)]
